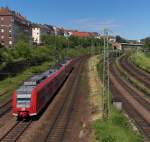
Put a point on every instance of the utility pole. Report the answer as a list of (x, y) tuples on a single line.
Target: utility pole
[(67, 47), (55, 51), (91, 46), (106, 86)]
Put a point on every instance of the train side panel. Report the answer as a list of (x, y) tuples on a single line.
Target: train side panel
[(48, 89), (33, 108), (50, 86)]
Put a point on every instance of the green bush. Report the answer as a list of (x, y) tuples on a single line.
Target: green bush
[(115, 129), (142, 60), (131, 79), (121, 121), (109, 138)]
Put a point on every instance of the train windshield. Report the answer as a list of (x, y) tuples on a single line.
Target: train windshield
[(23, 102)]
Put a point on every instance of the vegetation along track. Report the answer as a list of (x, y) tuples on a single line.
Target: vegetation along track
[(57, 129), (135, 72), (4, 108), (15, 132), (133, 103), (4, 93)]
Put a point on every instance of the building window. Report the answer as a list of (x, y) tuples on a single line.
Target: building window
[(12, 20), (9, 36), (2, 42), (2, 18), (10, 42), (2, 30), (2, 37)]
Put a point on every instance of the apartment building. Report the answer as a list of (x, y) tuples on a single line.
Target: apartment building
[(11, 25), (38, 31)]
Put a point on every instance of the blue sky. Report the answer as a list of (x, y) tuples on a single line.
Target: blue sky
[(128, 18)]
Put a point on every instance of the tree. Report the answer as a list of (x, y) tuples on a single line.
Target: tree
[(6, 55), (1, 46), (22, 46), (119, 39), (48, 40), (147, 43), (22, 37)]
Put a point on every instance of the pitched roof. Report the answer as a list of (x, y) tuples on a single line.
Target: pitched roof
[(81, 34), (7, 12)]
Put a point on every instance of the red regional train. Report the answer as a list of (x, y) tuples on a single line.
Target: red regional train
[(36, 92)]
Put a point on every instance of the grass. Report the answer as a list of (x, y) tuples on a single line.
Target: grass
[(12, 83), (115, 129), (142, 60), (131, 79)]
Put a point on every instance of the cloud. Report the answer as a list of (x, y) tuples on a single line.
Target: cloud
[(92, 24)]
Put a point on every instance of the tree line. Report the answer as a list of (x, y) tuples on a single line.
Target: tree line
[(52, 47)]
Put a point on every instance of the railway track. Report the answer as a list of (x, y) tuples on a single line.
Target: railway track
[(137, 107), (134, 115), (57, 129), (135, 72), (4, 93), (59, 116), (16, 131), (5, 108), (132, 91)]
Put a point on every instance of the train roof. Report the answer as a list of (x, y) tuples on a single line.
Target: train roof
[(25, 89), (32, 82)]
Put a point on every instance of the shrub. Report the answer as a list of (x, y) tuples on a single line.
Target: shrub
[(120, 121), (109, 138)]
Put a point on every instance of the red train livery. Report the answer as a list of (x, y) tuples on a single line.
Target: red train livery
[(35, 93)]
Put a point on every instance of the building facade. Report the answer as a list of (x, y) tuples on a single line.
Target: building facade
[(38, 31), (11, 25)]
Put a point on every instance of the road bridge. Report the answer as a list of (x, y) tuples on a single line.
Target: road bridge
[(134, 45)]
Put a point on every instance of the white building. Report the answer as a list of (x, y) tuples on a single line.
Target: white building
[(37, 32), (55, 30)]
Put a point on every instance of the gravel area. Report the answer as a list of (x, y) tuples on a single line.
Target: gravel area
[(78, 129), (88, 105)]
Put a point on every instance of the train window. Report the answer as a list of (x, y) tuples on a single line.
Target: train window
[(24, 95), (23, 102), (23, 99), (23, 92)]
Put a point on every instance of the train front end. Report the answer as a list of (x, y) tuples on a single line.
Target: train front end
[(22, 102)]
